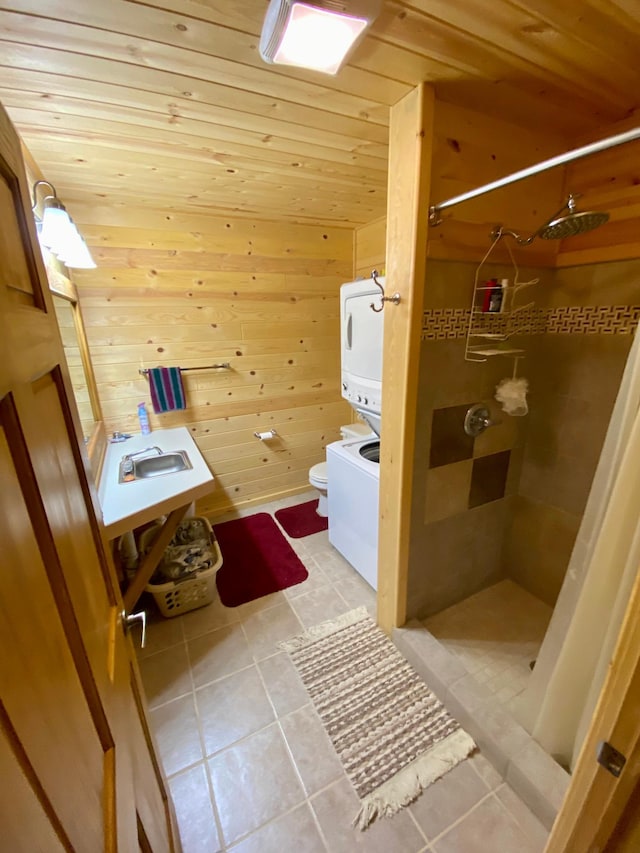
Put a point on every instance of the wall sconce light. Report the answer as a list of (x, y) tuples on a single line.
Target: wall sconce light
[(57, 233), (316, 35)]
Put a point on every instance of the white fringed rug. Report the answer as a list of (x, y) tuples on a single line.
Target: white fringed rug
[(393, 736)]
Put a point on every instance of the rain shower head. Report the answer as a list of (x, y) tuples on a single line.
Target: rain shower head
[(573, 223), (559, 227)]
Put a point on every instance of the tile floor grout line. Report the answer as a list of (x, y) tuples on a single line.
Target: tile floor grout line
[(509, 813), (453, 824), (257, 661), (292, 759), (481, 776), (222, 677), (504, 785), (242, 838), (205, 766), (211, 630), (159, 651), (169, 701), (214, 806), (185, 769), (238, 742), (415, 820), (203, 749), (316, 819), (195, 688)]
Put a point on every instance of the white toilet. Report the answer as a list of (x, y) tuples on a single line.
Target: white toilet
[(318, 473)]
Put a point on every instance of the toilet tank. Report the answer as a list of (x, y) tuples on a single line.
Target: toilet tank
[(355, 431)]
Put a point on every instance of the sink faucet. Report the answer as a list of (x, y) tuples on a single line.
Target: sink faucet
[(146, 450), (126, 465)]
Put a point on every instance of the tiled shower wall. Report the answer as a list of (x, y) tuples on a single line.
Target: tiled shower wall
[(574, 370), (462, 487), (509, 502)]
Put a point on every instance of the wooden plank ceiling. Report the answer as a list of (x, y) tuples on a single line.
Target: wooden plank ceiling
[(167, 103)]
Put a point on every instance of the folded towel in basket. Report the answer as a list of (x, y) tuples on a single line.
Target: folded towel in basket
[(167, 391)]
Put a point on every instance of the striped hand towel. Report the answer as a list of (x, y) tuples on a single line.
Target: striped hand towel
[(167, 392)]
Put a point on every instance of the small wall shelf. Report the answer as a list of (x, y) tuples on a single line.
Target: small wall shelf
[(490, 352)]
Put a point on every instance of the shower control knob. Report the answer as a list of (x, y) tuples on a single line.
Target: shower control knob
[(477, 420)]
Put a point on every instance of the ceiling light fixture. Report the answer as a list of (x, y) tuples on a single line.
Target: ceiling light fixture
[(317, 35), (57, 233)]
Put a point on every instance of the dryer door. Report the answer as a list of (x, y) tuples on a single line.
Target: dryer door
[(362, 333)]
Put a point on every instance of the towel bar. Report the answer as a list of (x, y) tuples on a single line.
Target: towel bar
[(143, 371)]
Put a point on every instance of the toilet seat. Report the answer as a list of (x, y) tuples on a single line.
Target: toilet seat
[(319, 473)]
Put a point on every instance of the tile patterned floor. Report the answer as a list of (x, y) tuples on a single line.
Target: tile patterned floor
[(250, 767), (496, 633)]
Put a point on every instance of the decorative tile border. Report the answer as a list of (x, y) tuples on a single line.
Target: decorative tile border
[(590, 320), (441, 323), (453, 323)]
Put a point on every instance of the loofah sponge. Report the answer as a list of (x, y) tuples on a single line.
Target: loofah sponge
[(512, 394)]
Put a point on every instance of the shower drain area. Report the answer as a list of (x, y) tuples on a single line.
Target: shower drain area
[(496, 634)]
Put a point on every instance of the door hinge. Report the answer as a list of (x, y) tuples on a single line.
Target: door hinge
[(609, 757)]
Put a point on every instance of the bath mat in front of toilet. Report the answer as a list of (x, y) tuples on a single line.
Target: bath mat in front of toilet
[(302, 520), (257, 559)]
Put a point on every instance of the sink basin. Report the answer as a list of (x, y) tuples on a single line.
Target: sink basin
[(153, 466)]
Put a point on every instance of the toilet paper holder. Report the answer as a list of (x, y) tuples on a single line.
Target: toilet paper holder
[(265, 436)]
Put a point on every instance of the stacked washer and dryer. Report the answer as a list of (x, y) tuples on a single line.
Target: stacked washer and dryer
[(353, 465)]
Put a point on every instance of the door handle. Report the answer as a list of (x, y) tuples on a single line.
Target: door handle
[(131, 619), (349, 330)]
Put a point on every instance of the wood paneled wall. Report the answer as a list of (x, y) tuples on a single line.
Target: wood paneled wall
[(194, 290), (371, 247), (471, 149), (607, 181)]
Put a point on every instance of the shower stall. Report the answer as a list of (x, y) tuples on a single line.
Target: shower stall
[(507, 567)]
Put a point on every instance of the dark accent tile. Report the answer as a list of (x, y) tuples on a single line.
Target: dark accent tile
[(449, 441), (489, 478)]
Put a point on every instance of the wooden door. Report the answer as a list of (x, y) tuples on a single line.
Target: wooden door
[(77, 764)]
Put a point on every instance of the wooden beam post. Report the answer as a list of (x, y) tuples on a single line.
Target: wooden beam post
[(410, 136), (151, 560)]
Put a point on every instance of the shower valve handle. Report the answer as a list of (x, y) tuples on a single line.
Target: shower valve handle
[(477, 420)]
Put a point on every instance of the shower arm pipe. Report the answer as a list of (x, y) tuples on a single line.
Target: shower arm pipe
[(499, 231), (561, 159)]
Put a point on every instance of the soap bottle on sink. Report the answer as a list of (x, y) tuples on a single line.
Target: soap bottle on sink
[(143, 417)]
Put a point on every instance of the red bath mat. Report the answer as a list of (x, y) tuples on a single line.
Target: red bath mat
[(257, 559), (302, 520)]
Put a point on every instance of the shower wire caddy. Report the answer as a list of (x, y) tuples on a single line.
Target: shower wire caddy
[(487, 330)]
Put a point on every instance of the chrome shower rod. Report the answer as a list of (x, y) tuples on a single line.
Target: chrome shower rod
[(567, 157)]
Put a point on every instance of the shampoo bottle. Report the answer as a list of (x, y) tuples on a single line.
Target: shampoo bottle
[(489, 289), (495, 297), (143, 417), (504, 284)]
